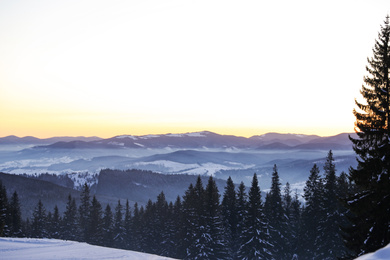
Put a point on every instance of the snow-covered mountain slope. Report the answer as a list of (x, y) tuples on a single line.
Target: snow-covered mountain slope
[(42, 249), (203, 153), (381, 254)]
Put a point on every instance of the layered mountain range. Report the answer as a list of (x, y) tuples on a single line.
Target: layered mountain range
[(196, 140), (203, 153)]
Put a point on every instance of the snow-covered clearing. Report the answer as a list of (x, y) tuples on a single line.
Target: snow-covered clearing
[(381, 254), (42, 249)]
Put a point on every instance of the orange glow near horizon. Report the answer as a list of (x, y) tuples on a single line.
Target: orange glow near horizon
[(100, 68)]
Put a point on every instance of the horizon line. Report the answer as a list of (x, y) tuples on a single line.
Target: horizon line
[(96, 136)]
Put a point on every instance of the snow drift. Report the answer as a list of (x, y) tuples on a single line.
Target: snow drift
[(32, 248)]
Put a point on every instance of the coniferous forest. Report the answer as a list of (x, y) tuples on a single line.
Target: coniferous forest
[(237, 223)]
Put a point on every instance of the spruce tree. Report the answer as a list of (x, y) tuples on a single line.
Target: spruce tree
[(127, 237), (69, 221), (95, 223), (255, 237), (295, 225), (55, 224), (330, 243), (39, 228), (160, 225), (4, 229), (242, 213), (135, 235), (312, 213), (84, 210), (213, 242), (289, 232), (15, 216), (119, 231), (180, 230), (108, 232), (193, 209), (371, 204), (276, 218), (230, 219)]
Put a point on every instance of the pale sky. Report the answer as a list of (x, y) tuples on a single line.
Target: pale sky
[(106, 68)]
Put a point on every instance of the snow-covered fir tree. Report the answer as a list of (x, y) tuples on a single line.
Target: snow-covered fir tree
[(255, 236), (312, 213), (230, 217), (276, 218)]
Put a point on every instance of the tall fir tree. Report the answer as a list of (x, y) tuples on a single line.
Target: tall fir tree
[(213, 241), (135, 235), (295, 224), (276, 217), (95, 223), (55, 224), (69, 221), (179, 235), (119, 231), (330, 243), (4, 229), (371, 204), (107, 226), (242, 213), (193, 209), (160, 220), (229, 215), (84, 210), (127, 238), (289, 231), (312, 213), (255, 237), (15, 216), (39, 228)]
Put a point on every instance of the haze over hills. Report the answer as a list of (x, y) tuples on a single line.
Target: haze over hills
[(204, 153), (204, 139)]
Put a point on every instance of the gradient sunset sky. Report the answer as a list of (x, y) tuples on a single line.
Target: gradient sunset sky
[(104, 68)]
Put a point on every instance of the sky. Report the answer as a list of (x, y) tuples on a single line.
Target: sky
[(104, 68)]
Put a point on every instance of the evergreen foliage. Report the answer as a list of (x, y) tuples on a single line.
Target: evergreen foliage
[(84, 210), (69, 221), (108, 232), (370, 205), (312, 213), (276, 218), (255, 237), (330, 244), (95, 223), (230, 217), (15, 227), (3, 211), (39, 221), (119, 231)]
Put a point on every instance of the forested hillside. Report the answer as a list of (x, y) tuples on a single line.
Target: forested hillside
[(217, 223)]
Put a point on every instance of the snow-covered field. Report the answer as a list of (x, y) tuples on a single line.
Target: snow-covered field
[(381, 254), (42, 249)]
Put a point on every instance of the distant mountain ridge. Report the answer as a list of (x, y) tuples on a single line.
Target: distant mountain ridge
[(12, 139), (193, 140)]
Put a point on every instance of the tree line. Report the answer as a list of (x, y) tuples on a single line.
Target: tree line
[(201, 224)]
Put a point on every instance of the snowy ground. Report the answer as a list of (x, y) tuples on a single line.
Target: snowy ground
[(42, 249), (381, 254)]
